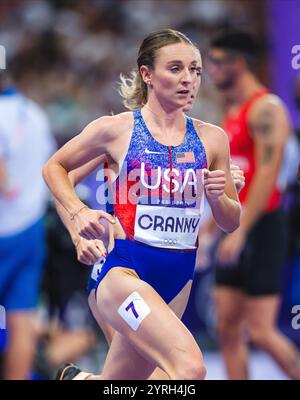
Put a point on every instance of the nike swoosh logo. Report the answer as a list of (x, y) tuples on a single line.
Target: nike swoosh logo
[(153, 152)]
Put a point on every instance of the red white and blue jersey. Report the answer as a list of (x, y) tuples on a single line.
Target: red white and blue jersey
[(159, 193)]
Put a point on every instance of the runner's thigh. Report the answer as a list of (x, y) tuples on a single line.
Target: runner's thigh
[(146, 321)]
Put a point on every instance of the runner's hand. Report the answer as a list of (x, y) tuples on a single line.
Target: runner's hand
[(214, 183), (238, 177), (89, 251), (88, 225)]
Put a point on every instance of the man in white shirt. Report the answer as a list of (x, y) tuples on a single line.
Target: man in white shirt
[(25, 145)]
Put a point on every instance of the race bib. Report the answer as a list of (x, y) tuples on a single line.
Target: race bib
[(175, 226), (167, 227)]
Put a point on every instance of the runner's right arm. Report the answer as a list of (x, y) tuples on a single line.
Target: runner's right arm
[(95, 140)]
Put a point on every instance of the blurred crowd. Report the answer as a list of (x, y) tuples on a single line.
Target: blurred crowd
[(70, 53)]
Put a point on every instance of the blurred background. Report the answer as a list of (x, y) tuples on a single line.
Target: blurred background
[(67, 56)]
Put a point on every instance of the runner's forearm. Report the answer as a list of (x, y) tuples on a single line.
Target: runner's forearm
[(61, 187), (65, 217), (226, 212)]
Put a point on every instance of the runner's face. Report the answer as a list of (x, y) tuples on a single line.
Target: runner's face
[(193, 95), (177, 74)]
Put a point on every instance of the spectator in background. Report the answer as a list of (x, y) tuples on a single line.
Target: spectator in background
[(25, 144), (250, 259)]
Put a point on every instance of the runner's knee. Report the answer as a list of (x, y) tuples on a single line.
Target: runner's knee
[(192, 368)]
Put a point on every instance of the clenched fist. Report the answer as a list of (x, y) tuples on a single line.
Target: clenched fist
[(238, 177), (214, 183), (89, 251)]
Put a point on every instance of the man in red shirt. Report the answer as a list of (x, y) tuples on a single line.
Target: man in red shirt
[(250, 259)]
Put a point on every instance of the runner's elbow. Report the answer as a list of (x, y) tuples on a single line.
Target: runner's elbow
[(232, 227), (232, 223), (46, 171)]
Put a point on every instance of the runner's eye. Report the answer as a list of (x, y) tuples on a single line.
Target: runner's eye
[(175, 69), (197, 70)]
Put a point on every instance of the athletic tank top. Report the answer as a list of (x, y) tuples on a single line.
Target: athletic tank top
[(159, 191), (242, 148)]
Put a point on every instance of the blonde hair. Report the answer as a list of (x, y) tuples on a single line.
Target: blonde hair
[(133, 89)]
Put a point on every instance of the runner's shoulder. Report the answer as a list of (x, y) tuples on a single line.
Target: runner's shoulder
[(208, 131), (112, 126)]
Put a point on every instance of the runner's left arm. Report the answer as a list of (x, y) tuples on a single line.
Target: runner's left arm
[(88, 251), (219, 185)]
